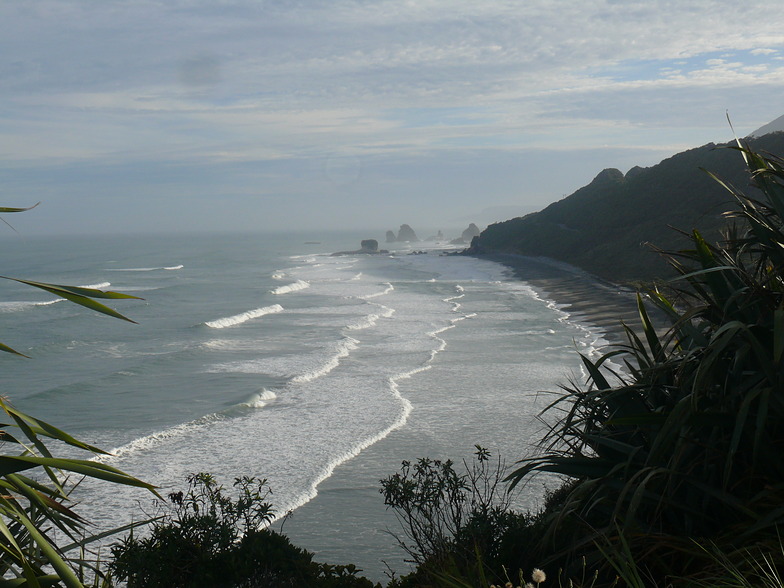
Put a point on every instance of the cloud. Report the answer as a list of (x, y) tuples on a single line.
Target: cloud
[(355, 87)]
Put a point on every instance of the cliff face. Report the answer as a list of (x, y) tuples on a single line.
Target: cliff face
[(606, 226)]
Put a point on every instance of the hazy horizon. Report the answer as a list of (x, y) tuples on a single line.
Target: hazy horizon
[(154, 116)]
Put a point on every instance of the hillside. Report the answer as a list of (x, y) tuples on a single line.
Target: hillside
[(605, 227)]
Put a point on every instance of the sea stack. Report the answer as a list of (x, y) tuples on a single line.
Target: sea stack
[(367, 247), (406, 233)]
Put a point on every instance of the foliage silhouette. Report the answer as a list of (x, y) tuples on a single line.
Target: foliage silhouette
[(207, 539), (683, 445)]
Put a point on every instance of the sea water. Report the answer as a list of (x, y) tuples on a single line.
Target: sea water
[(265, 355)]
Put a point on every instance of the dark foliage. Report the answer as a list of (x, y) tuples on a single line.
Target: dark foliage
[(683, 447), (206, 539), (458, 524)]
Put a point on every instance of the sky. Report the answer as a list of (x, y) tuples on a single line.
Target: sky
[(239, 115)]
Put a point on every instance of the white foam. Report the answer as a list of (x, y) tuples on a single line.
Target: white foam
[(405, 410), (294, 287), (259, 399), (155, 439), (278, 275), (19, 305), (389, 288), (371, 319), (342, 350), (99, 286), (145, 269), (238, 319)]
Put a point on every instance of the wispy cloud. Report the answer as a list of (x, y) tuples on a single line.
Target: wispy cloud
[(198, 83)]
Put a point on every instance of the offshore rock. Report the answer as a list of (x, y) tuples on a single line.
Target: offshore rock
[(406, 233), (391, 237), (471, 232), (367, 247)]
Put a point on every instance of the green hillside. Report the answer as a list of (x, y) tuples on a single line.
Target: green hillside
[(606, 226)]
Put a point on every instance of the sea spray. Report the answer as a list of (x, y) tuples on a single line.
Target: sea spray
[(146, 269), (288, 288), (238, 319), (341, 350)]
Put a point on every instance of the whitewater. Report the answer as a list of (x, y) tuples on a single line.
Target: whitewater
[(264, 355)]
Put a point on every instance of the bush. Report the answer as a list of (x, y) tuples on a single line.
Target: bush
[(457, 524), (204, 538)]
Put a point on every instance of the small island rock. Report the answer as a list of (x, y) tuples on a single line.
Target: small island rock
[(367, 247)]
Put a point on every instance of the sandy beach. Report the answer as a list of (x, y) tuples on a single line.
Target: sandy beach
[(349, 500), (587, 298)]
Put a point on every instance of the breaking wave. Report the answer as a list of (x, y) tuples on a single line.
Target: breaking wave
[(294, 287), (238, 319)]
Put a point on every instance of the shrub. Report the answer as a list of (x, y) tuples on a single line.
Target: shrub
[(204, 538), (457, 524)]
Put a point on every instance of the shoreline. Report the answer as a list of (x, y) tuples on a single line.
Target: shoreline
[(596, 305), (585, 297)]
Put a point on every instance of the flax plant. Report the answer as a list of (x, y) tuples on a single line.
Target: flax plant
[(38, 527), (685, 441)]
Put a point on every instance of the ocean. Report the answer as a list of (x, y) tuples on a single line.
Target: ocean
[(264, 355)]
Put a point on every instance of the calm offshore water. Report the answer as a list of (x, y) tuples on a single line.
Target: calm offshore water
[(264, 355)]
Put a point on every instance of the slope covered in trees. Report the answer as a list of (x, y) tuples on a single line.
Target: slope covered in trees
[(605, 227)]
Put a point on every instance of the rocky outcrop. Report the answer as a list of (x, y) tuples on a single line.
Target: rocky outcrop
[(471, 232), (367, 247), (406, 233), (391, 237)]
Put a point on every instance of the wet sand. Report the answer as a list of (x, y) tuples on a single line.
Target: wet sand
[(584, 296)]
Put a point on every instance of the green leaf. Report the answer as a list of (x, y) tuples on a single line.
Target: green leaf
[(4, 209), (12, 464), (40, 427), (650, 331), (82, 296), (596, 376), (778, 334), (8, 349), (63, 570)]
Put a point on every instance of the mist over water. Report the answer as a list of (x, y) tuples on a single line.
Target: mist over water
[(262, 355)]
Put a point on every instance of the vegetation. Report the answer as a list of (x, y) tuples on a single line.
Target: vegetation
[(455, 522), (682, 450), (204, 538), (605, 226), (670, 451), (38, 531)]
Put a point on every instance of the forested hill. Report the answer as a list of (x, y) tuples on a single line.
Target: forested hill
[(605, 226)]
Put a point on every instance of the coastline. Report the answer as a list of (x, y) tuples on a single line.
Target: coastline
[(348, 501), (585, 297)]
